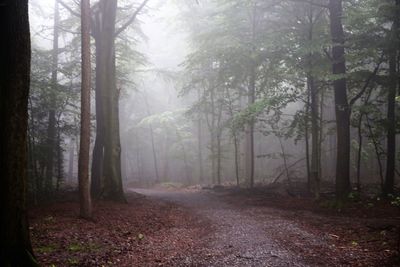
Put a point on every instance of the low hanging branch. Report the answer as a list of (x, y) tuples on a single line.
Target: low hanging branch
[(132, 18)]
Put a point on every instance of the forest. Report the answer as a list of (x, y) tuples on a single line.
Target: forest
[(200, 133)]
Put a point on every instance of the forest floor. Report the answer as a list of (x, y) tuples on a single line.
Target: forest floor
[(222, 227)]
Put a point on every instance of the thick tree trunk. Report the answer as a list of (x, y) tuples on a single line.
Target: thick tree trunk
[(83, 164), (98, 149), (109, 139), (342, 109), (15, 246)]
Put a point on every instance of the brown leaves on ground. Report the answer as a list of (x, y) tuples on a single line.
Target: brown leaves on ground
[(141, 233)]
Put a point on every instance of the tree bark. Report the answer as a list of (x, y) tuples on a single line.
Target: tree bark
[(15, 245), (83, 164), (341, 103), (51, 129)]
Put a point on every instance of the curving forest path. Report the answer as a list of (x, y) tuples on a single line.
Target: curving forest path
[(242, 236), (224, 227)]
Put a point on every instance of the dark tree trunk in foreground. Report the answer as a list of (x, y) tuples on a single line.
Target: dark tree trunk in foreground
[(341, 103), (391, 113), (15, 243), (83, 166)]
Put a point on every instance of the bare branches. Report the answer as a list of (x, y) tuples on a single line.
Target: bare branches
[(132, 18), (69, 9)]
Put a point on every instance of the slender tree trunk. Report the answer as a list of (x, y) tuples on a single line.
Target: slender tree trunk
[(307, 138), (314, 138), (71, 160), (219, 155), (15, 245), (153, 148), (250, 132), (359, 151), (235, 138), (391, 110), (313, 92), (284, 159), (200, 146), (51, 129), (342, 109), (60, 160), (377, 153), (166, 159), (83, 164)]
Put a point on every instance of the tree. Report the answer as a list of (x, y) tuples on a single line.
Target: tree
[(83, 167), (342, 108), (106, 166), (15, 243), (51, 128), (392, 88)]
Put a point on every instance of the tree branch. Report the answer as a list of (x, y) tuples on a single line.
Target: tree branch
[(132, 18), (367, 82), (69, 9)]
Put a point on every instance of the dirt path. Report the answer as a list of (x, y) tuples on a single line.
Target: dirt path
[(209, 228), (238, 237)]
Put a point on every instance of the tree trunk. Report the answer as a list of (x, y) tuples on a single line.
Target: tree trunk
[(200, 146), (15, 246), (341, 103), (153, 148), (98, 149), (51, 129), (313, 93), (250, 132), (111, 181), (307, 141), (391, 110), (83, 164), (71, 161)]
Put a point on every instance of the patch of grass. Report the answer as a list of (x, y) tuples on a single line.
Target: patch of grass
[(73, 261), (46, 249), (75, 247)]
